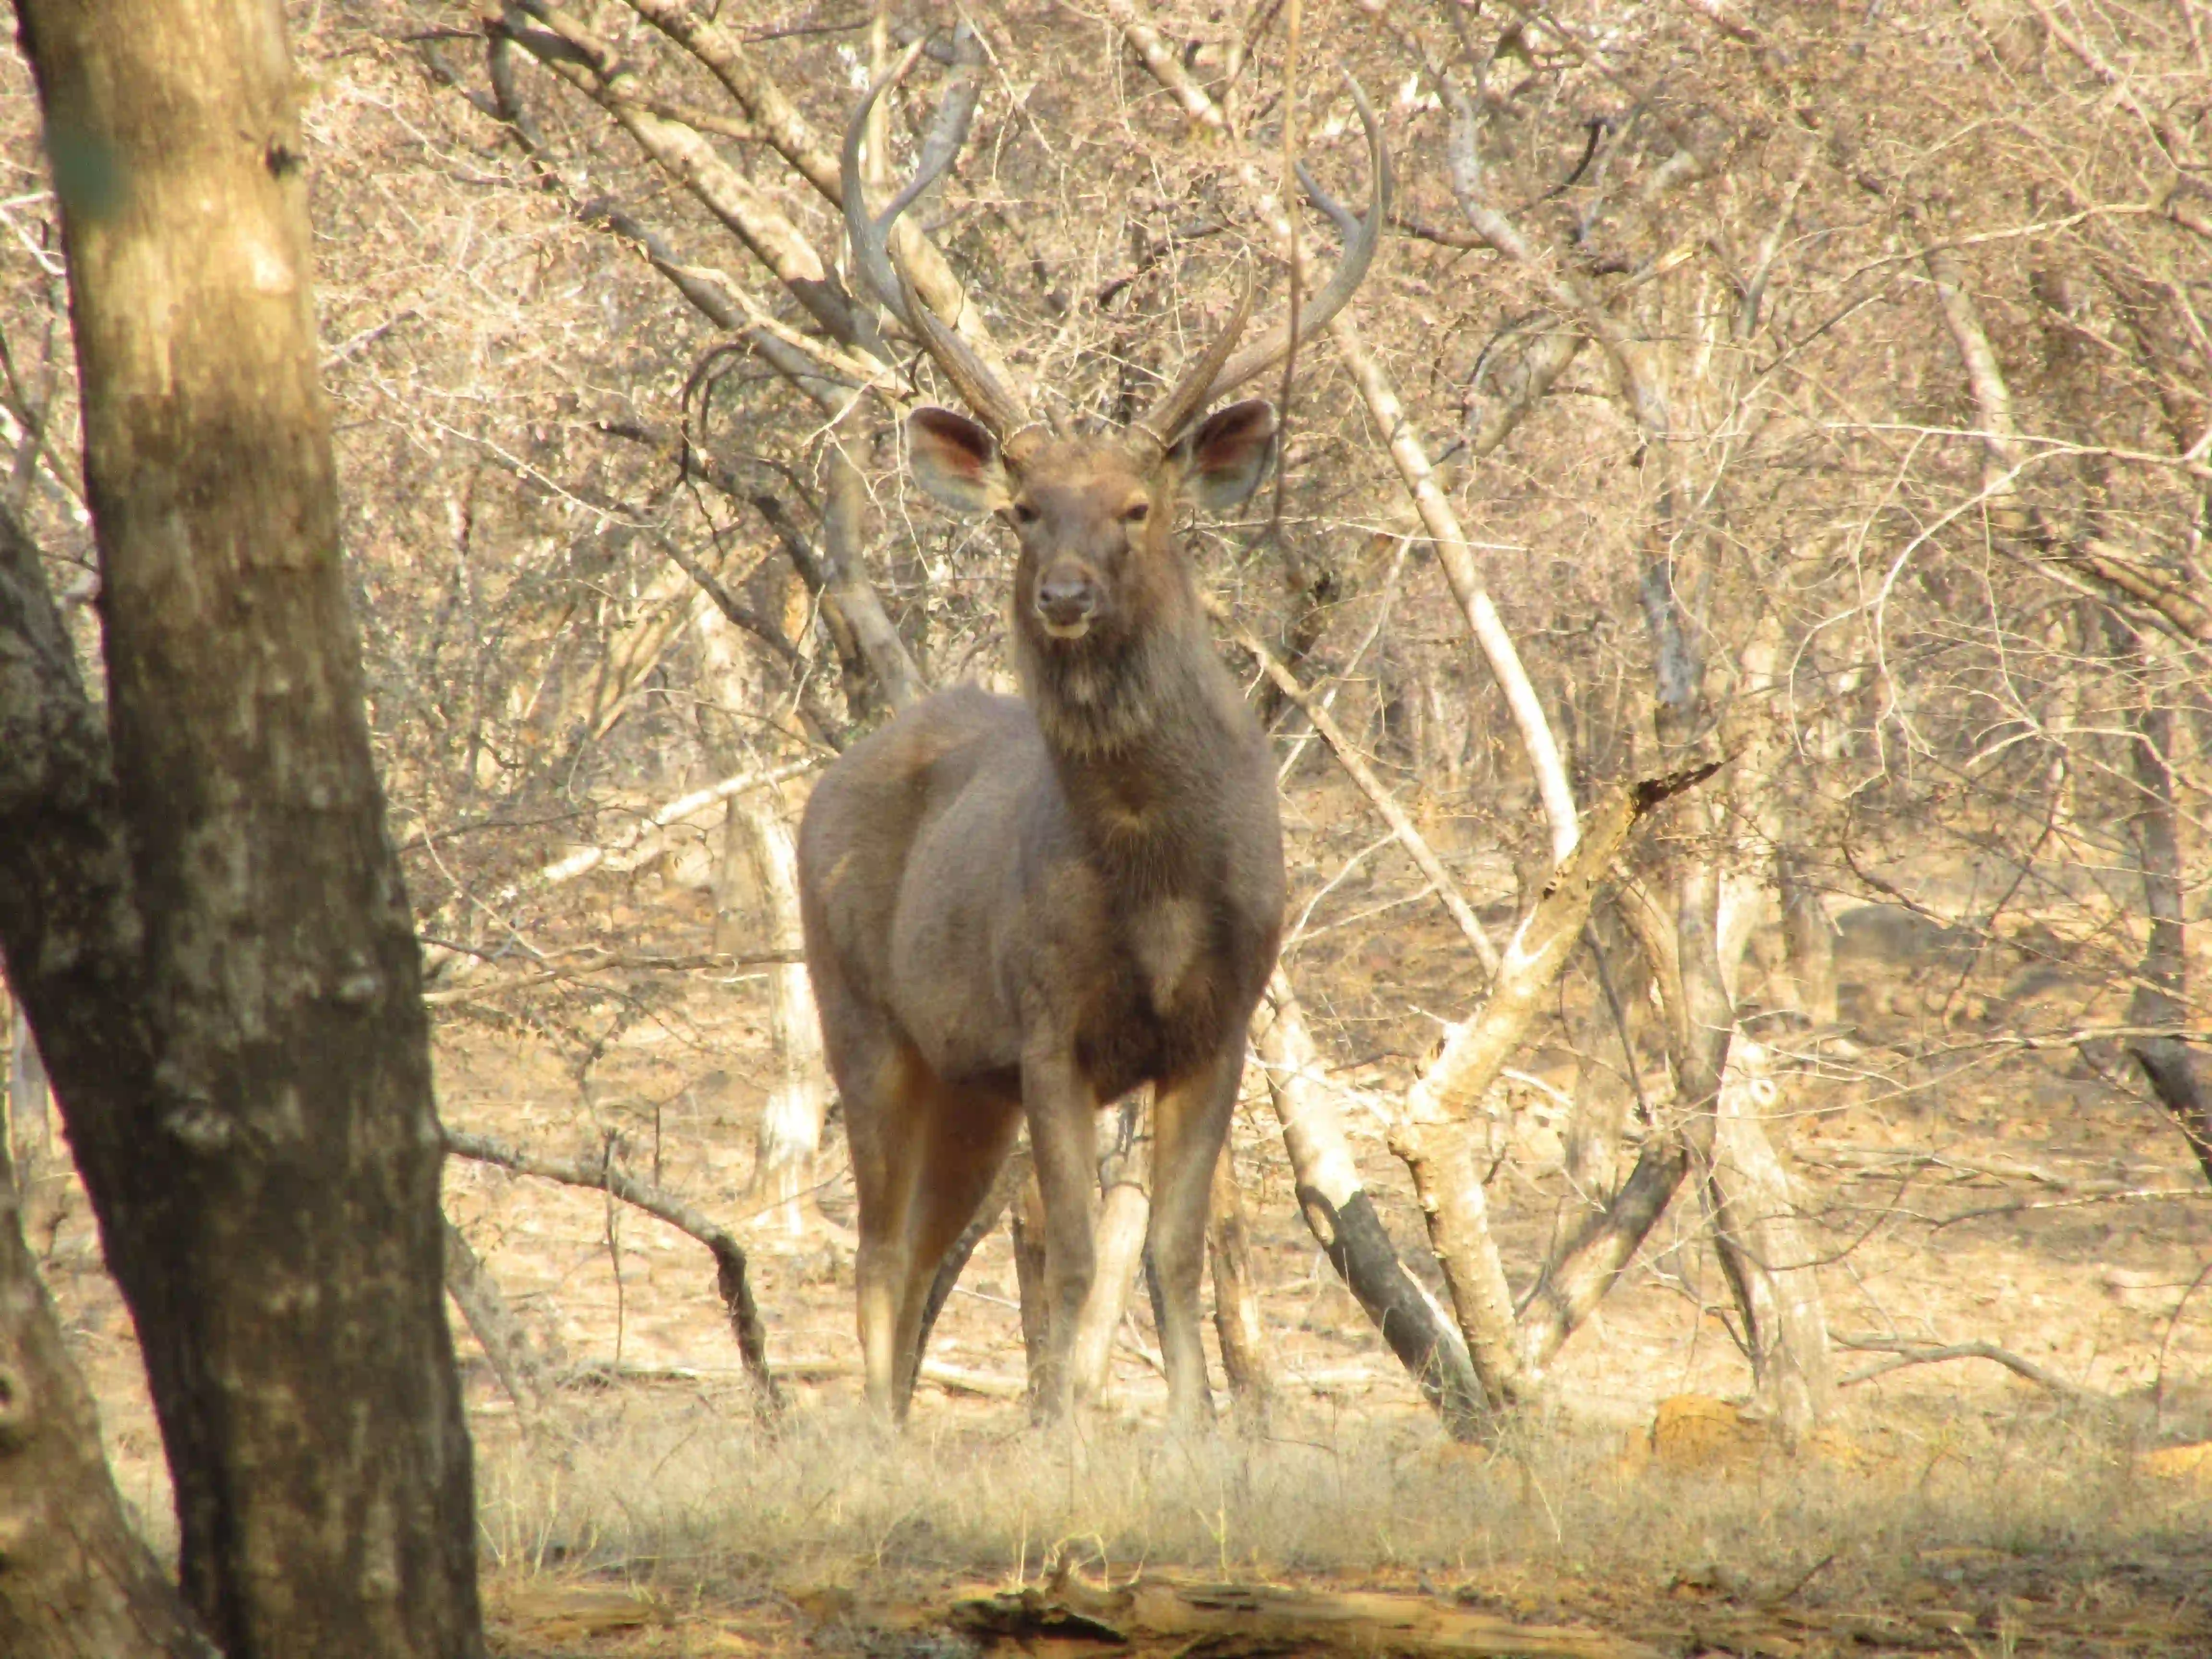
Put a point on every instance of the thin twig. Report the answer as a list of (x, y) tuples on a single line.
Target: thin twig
[(716, 960), (1424, 855), (2131, 1196), (588, 859)]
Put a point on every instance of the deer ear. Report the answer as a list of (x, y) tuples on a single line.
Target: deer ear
[(957, 461), (1224, 460)]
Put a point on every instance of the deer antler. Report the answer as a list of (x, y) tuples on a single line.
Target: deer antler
[(1215, 374), (1001, 413), (1210, 378), (1161, 423)]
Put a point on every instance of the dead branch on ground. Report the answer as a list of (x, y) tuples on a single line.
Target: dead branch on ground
[(730, 1282), (1907, 1351)]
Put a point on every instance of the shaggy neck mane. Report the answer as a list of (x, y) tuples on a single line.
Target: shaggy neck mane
[(1141, 733), (1098, 699)]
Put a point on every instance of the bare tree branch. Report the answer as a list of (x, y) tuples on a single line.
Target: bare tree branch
[(735, 1289)]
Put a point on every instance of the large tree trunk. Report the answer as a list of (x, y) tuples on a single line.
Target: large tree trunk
[(1748, 1201), (1681, 953), (256, 1127), (75, 1581), (1763, 1252)]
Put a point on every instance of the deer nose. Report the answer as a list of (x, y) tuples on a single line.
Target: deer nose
[(1066, 599)]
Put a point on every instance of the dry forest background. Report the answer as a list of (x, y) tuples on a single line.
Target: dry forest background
[(1820, 394)]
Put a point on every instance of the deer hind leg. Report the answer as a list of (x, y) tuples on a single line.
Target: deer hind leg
[(1005, 1187), (957, 1140), (1190, 1123), (881, 1081)]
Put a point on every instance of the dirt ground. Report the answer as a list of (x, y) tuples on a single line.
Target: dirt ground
[(1997, 1197)]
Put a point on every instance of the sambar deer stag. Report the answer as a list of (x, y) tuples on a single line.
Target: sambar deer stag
[(1029, 908)]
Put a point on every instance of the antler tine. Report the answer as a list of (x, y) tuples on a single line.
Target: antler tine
[(1164, 423), (870, 237), (1359, 255), (999, 409)]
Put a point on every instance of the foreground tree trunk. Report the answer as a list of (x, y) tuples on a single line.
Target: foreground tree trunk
[(223, 975), (76, 1582)]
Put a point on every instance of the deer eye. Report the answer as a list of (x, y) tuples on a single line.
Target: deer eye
[(1022, 515), (1136, 512)]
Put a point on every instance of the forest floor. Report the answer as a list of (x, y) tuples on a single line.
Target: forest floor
[(2007, 1198)]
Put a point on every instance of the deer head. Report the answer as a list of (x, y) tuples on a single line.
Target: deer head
[(1094, 512)]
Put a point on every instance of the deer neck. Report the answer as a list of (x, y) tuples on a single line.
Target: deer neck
[(1143, 734)]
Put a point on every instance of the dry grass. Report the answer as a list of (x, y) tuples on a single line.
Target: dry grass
[(694, 1492)]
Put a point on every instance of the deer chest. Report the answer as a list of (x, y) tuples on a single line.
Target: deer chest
[(1174, 983)]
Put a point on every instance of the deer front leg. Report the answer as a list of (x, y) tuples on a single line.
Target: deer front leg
[(1190, 1122), (1062, 1112)]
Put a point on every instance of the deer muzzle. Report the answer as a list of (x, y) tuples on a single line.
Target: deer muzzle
[(1067, 597)]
